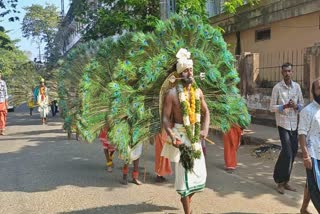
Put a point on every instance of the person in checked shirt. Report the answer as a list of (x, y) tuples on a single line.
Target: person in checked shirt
[(286, 102)]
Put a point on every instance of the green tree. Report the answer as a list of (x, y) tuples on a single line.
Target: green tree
[(7, 7), (41, 24), (197, 7), (10, 56), (231, 6), (5, 41), (108, 17)]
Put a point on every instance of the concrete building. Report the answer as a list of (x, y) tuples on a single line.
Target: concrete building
[(279, 30), (69, 33), (70, 30), (266, 36)]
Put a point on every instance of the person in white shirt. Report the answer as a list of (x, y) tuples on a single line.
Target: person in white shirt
[(286, 102), (309, 139)]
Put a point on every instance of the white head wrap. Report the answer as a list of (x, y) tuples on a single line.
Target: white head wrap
[(184, 60)]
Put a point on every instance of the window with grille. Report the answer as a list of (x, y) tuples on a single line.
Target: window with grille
[(264, 34)]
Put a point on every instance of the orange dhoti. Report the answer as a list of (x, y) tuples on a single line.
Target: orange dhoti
[(3, 116), (231, 141), (162, 165)]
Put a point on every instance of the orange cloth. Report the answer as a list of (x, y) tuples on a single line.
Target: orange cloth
[(42, 92), (231, 141), (3, 115), (162, 165)]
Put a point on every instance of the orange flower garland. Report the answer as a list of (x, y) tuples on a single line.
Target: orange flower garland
[(191, 107), (42, 92)]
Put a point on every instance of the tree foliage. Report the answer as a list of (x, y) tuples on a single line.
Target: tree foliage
[(108, 17), (9, 7), (10, 56), (196, 7), (21, 74), (231, 6), (41, 23), (5, 41)]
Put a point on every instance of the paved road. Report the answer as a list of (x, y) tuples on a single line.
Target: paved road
[(42, 172)]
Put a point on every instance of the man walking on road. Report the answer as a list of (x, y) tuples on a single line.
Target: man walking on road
[(43, 101), (286, 102), (309, 139), (190, 176), (3, 105)]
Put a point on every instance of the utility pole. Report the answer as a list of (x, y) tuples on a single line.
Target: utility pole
[(163, 9), (39, 46), (62, 9)]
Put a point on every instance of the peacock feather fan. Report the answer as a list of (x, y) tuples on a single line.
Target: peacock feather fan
[(68, 81), (121, 84)]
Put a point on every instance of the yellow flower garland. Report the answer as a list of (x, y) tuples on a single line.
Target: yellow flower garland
[(191, 107)]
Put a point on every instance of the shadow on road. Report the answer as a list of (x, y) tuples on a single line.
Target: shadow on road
[(128, 208), (45, 160), (253, 177)]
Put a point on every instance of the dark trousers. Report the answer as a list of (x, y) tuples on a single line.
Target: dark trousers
[(313, 187), (289, 148)]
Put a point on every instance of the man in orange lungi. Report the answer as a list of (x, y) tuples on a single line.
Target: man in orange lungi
[(231, 141), (3, 105), (162, 165)]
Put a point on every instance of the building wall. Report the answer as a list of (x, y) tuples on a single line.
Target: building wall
[(264, 13), (289, 39), (294, 33), (231, 40), (288, 42)]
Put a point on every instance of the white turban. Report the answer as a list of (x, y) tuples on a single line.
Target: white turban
[(184, 60)]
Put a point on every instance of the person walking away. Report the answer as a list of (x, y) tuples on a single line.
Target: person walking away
[(31, 106), (108, 149)]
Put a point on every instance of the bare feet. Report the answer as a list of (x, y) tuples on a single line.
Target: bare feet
[(124, 180), (109, 168), (280, 188), (136, 181), (230, 171), (290, 188), (160, 179)]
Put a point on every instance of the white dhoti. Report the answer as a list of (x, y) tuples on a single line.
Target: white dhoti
[(136, 152), (44, 111), (133, 154), (186, 183)]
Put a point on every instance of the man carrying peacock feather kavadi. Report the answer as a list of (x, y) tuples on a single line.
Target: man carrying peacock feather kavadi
[(186, 106)]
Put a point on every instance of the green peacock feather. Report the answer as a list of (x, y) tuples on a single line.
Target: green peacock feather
[(121, 82)]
